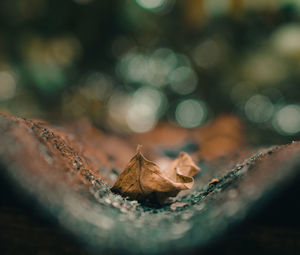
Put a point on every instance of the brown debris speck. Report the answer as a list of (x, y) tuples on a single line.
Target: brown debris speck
[(213, 181)]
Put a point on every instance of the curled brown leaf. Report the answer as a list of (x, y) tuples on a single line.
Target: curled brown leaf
[(142, 179)]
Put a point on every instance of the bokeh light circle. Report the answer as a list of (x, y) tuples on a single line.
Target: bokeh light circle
[(191, 113), (287, 120), (145, 108), (150, 4), (259, 108)]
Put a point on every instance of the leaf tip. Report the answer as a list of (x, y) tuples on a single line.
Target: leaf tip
[(139, 148), (182, 154)]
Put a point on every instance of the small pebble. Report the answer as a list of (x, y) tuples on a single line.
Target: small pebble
[(107, 200), (177, 205)]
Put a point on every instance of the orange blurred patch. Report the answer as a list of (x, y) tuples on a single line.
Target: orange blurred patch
[(164, 135), (220, 138)]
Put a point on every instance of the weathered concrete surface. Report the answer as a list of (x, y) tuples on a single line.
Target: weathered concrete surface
[(68, 179)]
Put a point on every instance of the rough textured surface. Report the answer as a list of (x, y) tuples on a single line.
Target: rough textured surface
[(53, 169)]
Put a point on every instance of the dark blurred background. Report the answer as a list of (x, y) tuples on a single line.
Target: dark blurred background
[(127, 65)]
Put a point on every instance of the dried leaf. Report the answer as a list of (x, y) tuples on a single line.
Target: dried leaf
[(143, 179)]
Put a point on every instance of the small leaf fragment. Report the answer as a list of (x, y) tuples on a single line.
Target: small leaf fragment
[(183, 165), (143, 179)]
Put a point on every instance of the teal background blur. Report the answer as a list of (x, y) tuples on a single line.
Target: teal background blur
[(127, 65)]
